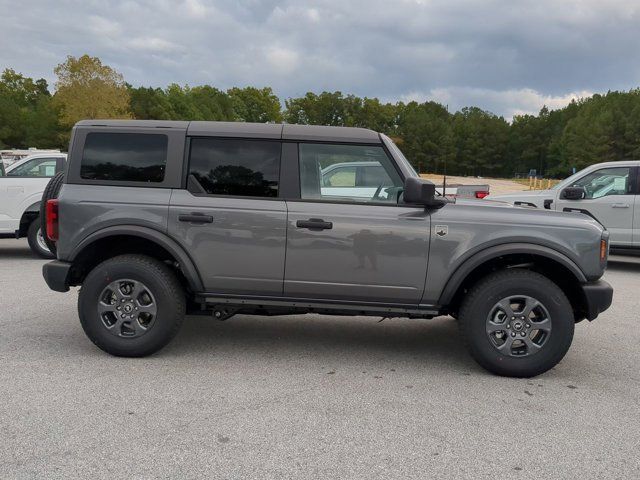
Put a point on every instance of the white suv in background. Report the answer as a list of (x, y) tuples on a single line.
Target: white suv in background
[(21, 188), (607, 192)]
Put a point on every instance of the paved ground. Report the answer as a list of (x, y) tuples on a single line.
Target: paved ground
[(307, 397), (496, 185)]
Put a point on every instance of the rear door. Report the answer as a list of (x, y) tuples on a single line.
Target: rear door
[(353, 242), (610, 198), (231, 218)]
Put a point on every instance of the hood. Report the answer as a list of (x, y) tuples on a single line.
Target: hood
[(486, 202), (521, 195), (506, 213)]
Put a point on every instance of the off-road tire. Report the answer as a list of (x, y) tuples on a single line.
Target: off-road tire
[(481, 299), (50, 192), (160, 280), (34, 243)]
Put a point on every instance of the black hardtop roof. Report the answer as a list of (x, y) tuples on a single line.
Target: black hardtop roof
[(316, 133)]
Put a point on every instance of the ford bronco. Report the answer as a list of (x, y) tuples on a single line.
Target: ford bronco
[(158, 219)]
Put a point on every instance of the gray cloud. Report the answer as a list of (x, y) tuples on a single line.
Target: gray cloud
[(505, 56)]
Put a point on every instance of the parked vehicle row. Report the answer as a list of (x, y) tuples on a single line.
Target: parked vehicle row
[(158, 219), (344, 177), (608, 192), (9, 157), (21, 188)]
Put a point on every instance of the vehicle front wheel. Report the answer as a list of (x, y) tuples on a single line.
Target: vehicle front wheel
[(131, 305), (517, 323), (35, 237)]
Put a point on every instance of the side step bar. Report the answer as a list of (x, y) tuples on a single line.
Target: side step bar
[(319, 306)]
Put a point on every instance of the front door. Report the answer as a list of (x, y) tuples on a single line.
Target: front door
[(231, 220), (609, 197), (349, 240)]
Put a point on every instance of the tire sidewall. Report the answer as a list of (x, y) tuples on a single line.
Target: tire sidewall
[(51, 191), (32, 238), (168, 318), (554, 349)]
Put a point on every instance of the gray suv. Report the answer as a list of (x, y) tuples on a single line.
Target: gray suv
[(156, 220)]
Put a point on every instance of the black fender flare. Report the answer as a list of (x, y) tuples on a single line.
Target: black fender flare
[(490, 253), (187, 266), (33, 208)]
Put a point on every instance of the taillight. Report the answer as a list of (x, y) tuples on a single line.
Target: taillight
[(481, 193), (52, 220)]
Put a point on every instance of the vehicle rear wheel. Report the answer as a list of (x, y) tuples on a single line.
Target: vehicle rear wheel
[(36, 240), (50, 192), (517, 323), (131, 305)]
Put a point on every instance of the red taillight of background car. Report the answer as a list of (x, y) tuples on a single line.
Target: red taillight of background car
[(481, 193), (52, 220)]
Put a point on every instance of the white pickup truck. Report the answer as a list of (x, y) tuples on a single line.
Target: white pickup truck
[(21, 188), (608, 192)]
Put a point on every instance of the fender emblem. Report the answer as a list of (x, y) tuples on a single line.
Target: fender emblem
[(442, 230)]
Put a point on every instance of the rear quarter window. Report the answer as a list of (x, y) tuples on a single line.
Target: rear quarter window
[(124, 157)]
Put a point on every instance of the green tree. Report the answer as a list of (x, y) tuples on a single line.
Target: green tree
[(27, 116), (604, 128), (197, 103), (252, 104), (427, 136), (324, 109), (211, 103), (481, 141), (150, 104)]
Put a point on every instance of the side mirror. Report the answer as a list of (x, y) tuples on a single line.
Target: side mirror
[(573, 193), (421, 192)]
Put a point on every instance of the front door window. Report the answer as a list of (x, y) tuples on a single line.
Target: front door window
[(38, 167), (348, 173), (605, 182)]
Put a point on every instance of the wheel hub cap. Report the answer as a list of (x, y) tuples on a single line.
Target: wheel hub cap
[(127, 308), (518, 326), (41, 242)]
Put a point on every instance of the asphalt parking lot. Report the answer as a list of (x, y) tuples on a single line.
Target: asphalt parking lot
[(307, 397)]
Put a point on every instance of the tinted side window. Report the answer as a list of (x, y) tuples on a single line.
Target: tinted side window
[(248, 168), (124, 157)]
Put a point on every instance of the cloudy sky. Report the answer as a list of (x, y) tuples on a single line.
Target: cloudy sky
[(506, 56)]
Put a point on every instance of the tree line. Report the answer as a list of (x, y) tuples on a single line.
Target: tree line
[(471, 141)]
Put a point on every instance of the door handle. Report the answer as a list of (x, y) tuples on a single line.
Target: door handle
[(314, 224), (620, 205), (195, 218)]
